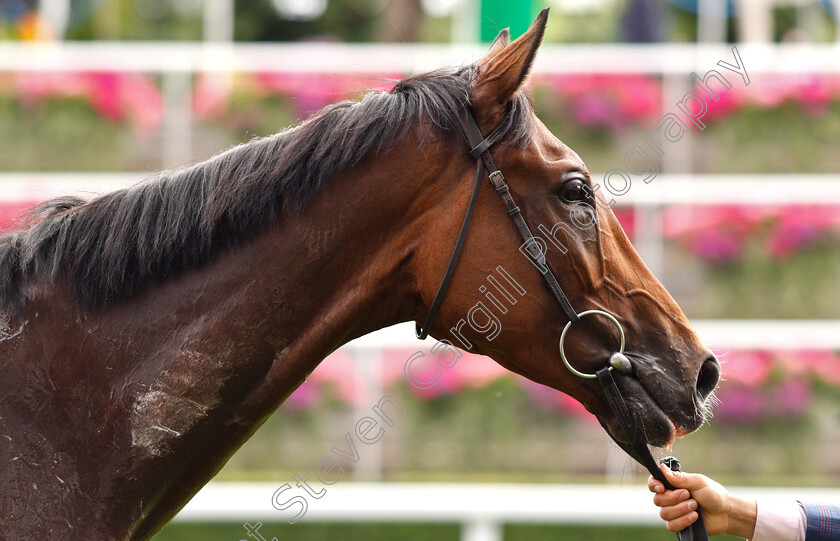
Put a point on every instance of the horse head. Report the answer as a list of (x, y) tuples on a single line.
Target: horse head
[(498, 303)]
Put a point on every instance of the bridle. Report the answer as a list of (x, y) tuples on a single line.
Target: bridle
[(635, 443)]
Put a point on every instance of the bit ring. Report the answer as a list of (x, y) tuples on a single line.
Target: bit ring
[(569, 325)]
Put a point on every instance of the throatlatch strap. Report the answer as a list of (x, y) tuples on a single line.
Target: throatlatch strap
[(423, 332), (482, 145), (638, 449)]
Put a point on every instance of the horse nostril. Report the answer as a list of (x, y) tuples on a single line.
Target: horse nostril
[(708, 377)]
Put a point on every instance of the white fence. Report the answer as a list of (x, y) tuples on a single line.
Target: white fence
[(718, 334), (664, 190), (350, 58), (481, 509)]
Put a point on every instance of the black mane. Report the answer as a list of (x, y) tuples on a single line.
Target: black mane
[(111, 246)]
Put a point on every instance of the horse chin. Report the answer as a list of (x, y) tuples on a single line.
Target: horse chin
[(661, 426), (659, 430)]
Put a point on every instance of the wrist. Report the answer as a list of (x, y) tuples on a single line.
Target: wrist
[(741, 515)]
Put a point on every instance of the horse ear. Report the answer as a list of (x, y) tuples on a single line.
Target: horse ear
[(501, 41), (503, 70)]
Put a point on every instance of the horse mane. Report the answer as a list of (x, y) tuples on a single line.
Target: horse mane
[(111, 246)]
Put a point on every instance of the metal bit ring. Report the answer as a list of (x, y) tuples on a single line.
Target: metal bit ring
[(569, 325)]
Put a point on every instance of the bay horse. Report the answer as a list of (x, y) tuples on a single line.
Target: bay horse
[(145, 334)]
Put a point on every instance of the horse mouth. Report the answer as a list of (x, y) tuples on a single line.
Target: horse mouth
[(658, 426)]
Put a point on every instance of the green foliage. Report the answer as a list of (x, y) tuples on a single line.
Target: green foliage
[(311, 532), (412, 532), (60, 135), (590, 533), (462, 436), (147, 20), (354, 21), (588, 26), (785, 139), (803, 285)]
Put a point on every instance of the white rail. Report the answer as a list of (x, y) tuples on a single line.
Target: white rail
[(482, 509), (719, 334), (347, 58), (665, 189)]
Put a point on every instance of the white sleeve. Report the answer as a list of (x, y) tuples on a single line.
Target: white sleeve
[(779, 521)]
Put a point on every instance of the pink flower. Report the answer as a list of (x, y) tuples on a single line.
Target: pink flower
[(717, 246), (812, 91), (720, 233), (338, 371), (740, 404), (569, 405), (10, 214), (34, 87), (212, 95), (105, 95), (747, 368), (425, 371), (728, 102), (791, 399), (815, 92), (627, 218), (797, 226), (595, 111), (310, 92), (819, 364), (477, 371), (686, 221), (640, 96), (542, 396), (143, 103), (445, 385), (549, 399), (304, 397), (115, 96), (784, 241), (824, 365), (767, 91), (610, 101)]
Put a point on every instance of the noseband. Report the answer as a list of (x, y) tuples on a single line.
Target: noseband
[(636, 442)]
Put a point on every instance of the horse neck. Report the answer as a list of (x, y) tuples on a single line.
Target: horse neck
[(339, 268), (216, 350)]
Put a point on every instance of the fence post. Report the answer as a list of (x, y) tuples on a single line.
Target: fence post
[(481, 529), (177, 118)]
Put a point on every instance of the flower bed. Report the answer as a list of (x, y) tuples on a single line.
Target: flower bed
[(721, 234), (76, 121), (786, 122), (757, 386)]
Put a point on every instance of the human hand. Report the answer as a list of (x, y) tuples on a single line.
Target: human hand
[(722, 512)]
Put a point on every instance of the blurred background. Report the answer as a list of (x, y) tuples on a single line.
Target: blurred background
[(742, 224)]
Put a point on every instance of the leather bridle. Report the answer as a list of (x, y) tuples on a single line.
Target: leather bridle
[(635, 442)]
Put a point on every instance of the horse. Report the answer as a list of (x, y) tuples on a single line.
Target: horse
[(146, 333)]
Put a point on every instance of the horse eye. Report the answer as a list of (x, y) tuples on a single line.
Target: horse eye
[(573, 191)]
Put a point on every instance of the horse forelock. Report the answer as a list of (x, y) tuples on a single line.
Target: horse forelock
[(111, 246)]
